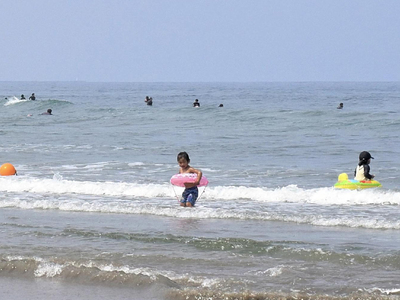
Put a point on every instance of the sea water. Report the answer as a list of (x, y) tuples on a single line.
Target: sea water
[(92, 203)]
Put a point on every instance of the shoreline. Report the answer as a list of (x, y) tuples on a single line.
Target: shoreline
[(49, 289), (15, 288)]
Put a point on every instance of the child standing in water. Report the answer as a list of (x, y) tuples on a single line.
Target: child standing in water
[(191, 192), (361, 172)]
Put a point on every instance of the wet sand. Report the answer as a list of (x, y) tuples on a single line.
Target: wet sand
[(50, 289)]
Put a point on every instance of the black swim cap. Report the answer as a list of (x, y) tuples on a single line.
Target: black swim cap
[(365, 155)]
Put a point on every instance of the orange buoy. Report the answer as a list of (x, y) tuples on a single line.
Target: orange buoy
[(7, 170)]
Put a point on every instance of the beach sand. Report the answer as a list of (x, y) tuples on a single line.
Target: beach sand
[(49, 289)]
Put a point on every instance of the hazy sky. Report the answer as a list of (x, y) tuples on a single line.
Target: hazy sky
[(200, 40)]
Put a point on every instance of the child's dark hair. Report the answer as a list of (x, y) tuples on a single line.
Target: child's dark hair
[(183, 155)]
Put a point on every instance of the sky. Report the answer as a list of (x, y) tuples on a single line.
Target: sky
[(200, 40)]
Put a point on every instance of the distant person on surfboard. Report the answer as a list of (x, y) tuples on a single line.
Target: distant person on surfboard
[(32, 97), (191, 192), (196, 103)]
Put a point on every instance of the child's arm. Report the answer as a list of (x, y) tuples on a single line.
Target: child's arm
[(366, 172), (196, 183)]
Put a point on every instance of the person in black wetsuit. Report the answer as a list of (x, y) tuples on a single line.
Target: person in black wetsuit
[(196, 103), (149, 100)]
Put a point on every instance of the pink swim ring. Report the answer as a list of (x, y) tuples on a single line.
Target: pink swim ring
[(181, 179)]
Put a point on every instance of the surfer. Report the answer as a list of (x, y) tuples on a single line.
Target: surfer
[(196, 103), (191, 192), (361, 173), (48, 112), (23, 97), (340, 106), (32, 97), (149, 100), (221, 105)]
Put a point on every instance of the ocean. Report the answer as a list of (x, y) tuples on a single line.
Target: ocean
[(92, 214)]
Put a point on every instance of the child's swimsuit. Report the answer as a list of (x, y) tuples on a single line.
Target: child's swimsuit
[(362, 173), (194, 191)]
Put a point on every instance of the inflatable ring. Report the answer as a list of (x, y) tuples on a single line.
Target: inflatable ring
[(345, 183), (181, 179)]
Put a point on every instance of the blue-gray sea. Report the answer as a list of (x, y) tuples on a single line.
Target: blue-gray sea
[(92, 205)]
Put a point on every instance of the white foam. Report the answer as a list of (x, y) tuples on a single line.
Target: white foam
[(288, 194), (14, 100), (50, 269), (47, 269), (138, 163), (20, 258), (46, 186), (294, 194), (310, 206), (385, 291), (272, 272), (57, 176)]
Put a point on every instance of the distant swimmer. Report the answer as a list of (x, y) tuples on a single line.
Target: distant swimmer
[(221, 105), (149, 100), (48, 112), (196, 103), (32, 97), (340, 106), (23, 97)]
